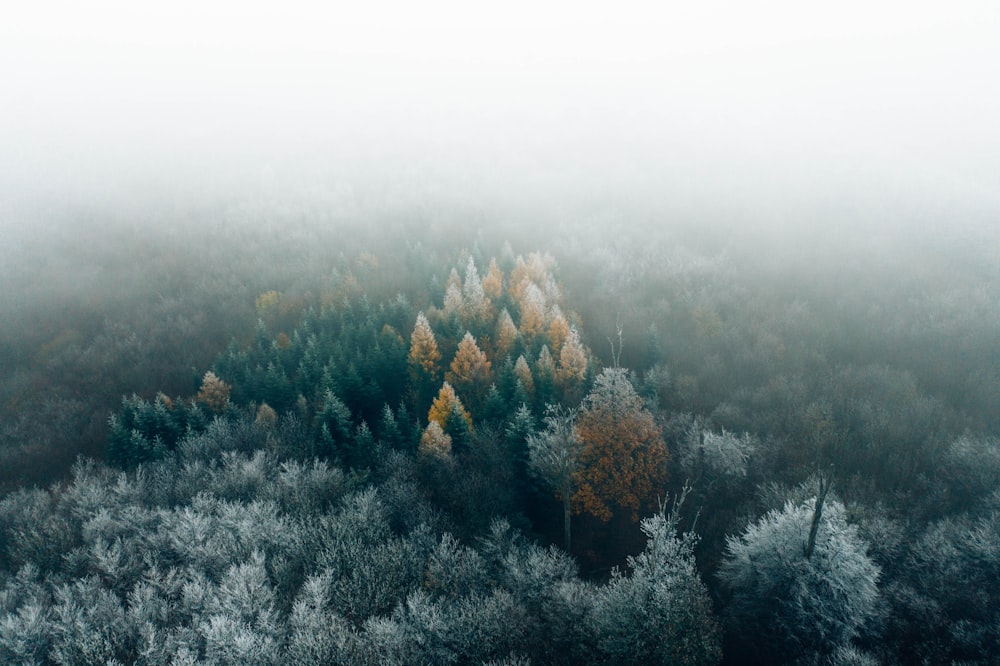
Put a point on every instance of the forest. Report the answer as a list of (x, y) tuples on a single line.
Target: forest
[(258, 435)]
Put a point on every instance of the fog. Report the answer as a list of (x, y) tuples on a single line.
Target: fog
[(765, 117)]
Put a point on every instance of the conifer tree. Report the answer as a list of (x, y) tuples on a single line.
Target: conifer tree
[(572, 369), (475, 306), (214, 392), (493, 282), (506, 335), (470, 369), (424, 357), (435, 442), (523, 374), (443, 405), (532, 306), (559, 329)]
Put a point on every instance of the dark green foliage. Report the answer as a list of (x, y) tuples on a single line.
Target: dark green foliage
[(143, 431)]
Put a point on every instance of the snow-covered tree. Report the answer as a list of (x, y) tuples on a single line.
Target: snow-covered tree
[(801, 582)]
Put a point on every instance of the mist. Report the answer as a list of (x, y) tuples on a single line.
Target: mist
[(768, 117)]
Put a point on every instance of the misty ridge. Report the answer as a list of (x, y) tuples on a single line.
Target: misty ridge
[(503, 338)]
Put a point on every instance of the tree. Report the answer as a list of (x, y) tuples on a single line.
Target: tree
[(444, 404), (435, 442), (661, 613), (506, 335), (624, 459), (214, 392), (475, 304), (493, 282), (558, 328), (572, 369), (470, 371), (424, 354), (554, 456), (523, 374), (801, 582), (532, 306)]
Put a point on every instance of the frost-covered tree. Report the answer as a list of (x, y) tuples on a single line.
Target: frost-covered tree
[(214, 392), (660, 613), (435, 442), (506, 335), (493, 282), (424, 355), (470, 371), (624, 459), (801, 582), (554, 455), (571, 372), (475, 305)]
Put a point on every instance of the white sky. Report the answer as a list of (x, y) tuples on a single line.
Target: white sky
[(756, 91)]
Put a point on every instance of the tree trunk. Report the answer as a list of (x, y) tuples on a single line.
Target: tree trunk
[(565, 494)]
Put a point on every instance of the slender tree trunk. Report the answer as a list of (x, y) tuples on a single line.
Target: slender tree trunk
[(565, 494)]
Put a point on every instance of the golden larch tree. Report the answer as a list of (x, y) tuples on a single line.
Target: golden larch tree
[(624, 459), (523, 373), (443, 405), (470, 367), (470, 372), (532, 305), (558, 329), (493, 282), (425, 356), (214, 392), (572, 368), (506, 335)]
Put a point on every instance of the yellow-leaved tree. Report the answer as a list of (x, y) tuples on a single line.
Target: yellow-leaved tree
[(506, 335), (424, 362), (444, 404), (493, 282), (424, 354), (470, 371), (214, 392)]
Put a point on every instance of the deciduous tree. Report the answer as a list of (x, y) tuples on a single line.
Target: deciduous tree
[(624, 459), (554, 455)]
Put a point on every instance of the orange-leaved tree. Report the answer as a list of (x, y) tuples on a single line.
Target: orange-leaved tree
[(443, 405), (470, 371), (623, 464), (214, 392)]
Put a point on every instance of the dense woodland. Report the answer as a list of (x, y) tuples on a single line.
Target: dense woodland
[(262, 440)]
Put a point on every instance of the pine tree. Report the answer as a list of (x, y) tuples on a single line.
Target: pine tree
[(532, 306)]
